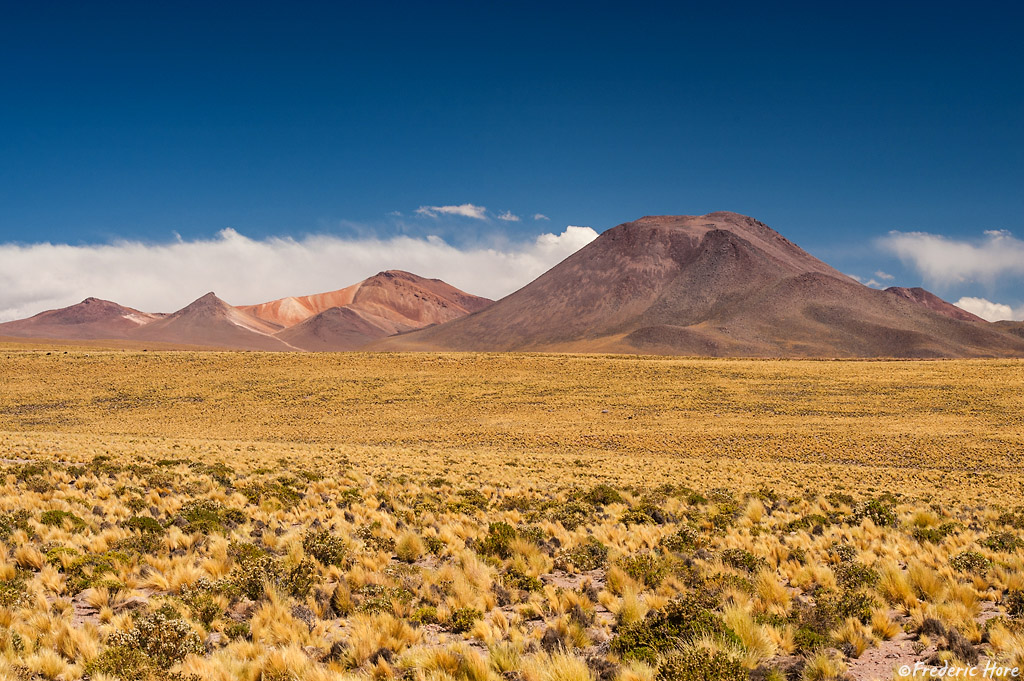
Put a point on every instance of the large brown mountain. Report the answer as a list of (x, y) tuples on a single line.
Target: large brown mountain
[(90, 319), (716, 284)]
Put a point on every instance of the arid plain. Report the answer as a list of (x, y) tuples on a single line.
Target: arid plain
[(518, 516)]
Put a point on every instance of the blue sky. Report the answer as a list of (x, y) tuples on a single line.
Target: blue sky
[(836, 125)]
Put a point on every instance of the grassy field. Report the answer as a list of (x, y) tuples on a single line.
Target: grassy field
[(522, 517)]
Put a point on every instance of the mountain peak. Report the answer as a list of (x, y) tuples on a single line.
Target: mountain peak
[(722, 283), (933, 302)]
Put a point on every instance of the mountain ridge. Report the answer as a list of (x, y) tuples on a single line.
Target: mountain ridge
[(714, 284), (720, 284)]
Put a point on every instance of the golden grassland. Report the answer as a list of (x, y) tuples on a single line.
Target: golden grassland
[(504, 516)]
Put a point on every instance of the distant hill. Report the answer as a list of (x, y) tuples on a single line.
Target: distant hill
[(90, 319), (384, 304), (212, 322)]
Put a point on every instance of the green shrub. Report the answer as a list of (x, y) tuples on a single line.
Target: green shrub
[(144, 524), (146, 536), (685, 540), (602, 495), (89, 570), (741, 559), (858, 604), (300, 578), (647, 512), (1014, 604), (881, 511), (934, 535), (691, 497), (123, 662), (325, 547), (425, 615), (571, 514), (842, 553), (515, 578), (699, 664), (807, 639), (854, 576), (680, 622), (238, 630), (462, 620), (58, 518), (589, 554), (646, 568), (10, 522), (498, 541), (12, 591), (725, 514), (1002, 542), (207, 517), (156, 643), (970, 561), (281, 490), (807, 522), (470, 501), (252, 569), (839, 499), (814, 623)]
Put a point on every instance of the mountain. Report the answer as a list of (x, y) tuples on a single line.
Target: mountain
[(718, 284), (407, 300), (211, 322), (1016, 328), (335, 329), (933, 303), (90, 319), (387, 303)]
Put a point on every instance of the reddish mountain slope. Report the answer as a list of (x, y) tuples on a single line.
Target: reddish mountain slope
[(385, 304), (382, 305), (212, 322), (716, 284), (933, 303), (90, 319), (333, 330)]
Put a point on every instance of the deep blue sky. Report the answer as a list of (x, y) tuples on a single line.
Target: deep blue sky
[(833, 122)]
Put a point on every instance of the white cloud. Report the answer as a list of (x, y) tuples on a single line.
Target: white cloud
[(869, 282), (885, 276), (540, 216), (986, 309), (508, 216), (943, 261), (165, 277), (466, 210)]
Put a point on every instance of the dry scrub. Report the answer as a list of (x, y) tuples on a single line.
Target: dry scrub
[(522, 517)]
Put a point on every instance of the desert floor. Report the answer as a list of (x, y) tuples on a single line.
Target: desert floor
[(505, 516)]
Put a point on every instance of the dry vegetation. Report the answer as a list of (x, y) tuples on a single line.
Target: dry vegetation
[(522, 517)]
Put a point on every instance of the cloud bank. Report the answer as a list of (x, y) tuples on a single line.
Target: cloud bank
[(943, 261), (166, 277)]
